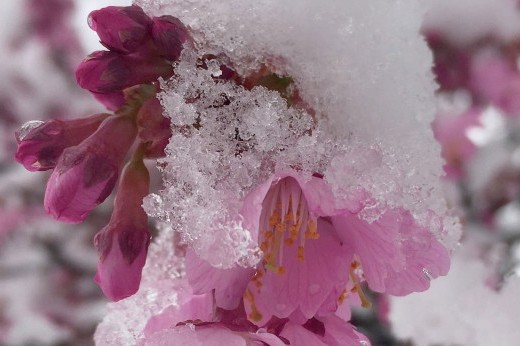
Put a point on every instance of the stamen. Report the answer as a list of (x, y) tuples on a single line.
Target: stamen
[(286, 220), (343, 296), (254, 315), (300, 256), (357, 286)]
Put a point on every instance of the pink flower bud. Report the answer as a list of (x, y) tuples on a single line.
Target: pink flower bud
[(86, 174), (40, 144), (123, 243), (121, 29), (108, 72), (103, 72), (153, 128), (169, 35), (123, 255)]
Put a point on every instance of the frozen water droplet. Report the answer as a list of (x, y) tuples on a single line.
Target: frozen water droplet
[(314, 288), (363, 343), (427, 274), (26, 128), (90, 22)]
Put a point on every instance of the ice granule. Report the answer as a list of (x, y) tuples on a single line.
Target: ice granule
[(361, 66)]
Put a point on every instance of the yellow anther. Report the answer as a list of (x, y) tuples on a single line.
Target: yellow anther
[(254, 315), (264, 246), (300, 256), (280, 270), (280, 227), (268, 234), (343, 296), (357, 286), (289, 241), (312, 226)]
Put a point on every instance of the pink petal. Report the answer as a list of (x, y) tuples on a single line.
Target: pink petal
[(397, 255), (229, 284), (211, 335), (198, 307), (306, 284)]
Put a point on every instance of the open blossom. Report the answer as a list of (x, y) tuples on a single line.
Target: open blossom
[(86, 174), (40, 147), (312, 251), (123, 243)]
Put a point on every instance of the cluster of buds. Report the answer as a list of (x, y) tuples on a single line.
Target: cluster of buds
[(86, 154), (141, 49)]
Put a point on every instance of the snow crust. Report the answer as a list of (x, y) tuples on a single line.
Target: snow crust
[(362, 68)]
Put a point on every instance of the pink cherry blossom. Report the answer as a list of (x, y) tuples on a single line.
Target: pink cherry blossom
[(86, 174), (123, 243), (40, 147), (494, 79), (313, 251)]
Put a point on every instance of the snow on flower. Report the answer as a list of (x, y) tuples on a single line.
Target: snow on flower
[(296, 170)]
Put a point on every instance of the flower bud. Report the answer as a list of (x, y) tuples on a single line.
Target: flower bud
[(153, 128), (86, 174), (169, 35), (109, 72), (121, 29), (40, 144), (123, 243)]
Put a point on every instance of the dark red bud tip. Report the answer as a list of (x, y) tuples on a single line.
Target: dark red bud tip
[(169, 36), (122, 29)]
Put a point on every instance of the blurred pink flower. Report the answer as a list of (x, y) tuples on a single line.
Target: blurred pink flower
[(123, 243), (450, 130), (313, 251), (86, 174), (496, 80), (40, 147)]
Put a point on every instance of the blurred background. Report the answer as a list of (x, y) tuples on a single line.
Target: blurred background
[(47, 295)]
